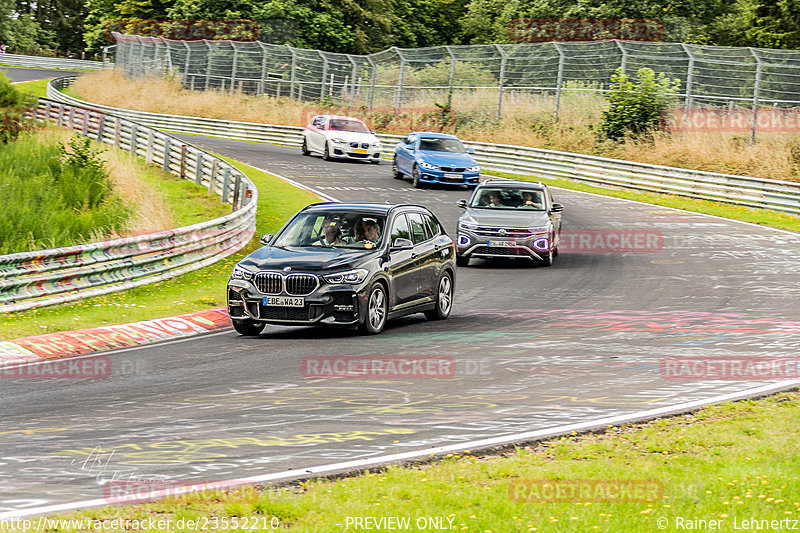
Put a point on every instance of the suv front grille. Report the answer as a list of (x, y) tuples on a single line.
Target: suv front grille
[(486, 231), (301, 284), (269, 282), (499, 251)]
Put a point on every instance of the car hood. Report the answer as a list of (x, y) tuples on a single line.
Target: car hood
[(351, 136), (505, 218), (305, 259), (447, 158)]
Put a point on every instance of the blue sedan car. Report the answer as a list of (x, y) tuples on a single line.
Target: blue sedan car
[(429, 157)]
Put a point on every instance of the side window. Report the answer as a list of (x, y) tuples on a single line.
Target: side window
[(432, 226), (417, 228), (400, 228), (317, 122)]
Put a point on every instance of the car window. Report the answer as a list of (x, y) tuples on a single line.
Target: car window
[(341, 229), (418, 234), (347, 124), (508, 198), (432, 225), (441, 145), (318, 122), (400, 229)]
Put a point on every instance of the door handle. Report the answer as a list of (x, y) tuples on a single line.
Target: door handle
[(413, 255)]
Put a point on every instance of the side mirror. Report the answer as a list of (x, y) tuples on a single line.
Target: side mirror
[(266, 238), (557, 208), (462, 204), (470, 150), (402, 244)]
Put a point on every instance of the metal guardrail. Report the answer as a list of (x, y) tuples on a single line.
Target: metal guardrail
[(39, 278), (599, 171), (52, 62)]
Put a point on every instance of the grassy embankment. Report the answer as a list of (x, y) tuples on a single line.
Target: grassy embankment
[(729, 463)]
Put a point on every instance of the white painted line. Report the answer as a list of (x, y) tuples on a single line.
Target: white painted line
[(295, 183), (417, 454)]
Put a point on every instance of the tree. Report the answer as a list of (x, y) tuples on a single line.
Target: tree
[(20, 30), (636, 107)]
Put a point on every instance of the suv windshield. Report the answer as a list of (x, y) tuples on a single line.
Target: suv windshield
[(343, 124), (508, 198), (341, 229), (441, 145)]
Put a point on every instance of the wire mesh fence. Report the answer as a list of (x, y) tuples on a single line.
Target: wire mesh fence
[(501, 78)]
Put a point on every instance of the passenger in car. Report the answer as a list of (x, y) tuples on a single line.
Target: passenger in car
[(332, 236), (372, 233), (532, 200), (495, 200)]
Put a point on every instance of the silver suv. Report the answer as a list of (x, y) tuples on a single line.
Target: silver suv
[(509, 218)]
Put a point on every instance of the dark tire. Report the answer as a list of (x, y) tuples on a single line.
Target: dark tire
[(396, 174), (462, 261), (444, 299), (555, 252), (248, 328), (326, 155), (377, 310), (415, 177), (304, 148), (547, 261), (375, 161)]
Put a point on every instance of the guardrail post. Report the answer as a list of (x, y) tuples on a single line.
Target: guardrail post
[(373, 77), (687, 105), (186, 63), (502, 77), (352, 81), (756, 94), (213, 177), (167, 150), (117, 128), (233, 67), (198, 170), (237, 193), (85, 124), (183, 161), (560, 76), (263, 78), (294, 73), (148, 156), (226, 178), (132, 144), (101, 127), (324, 73), (208, 63)]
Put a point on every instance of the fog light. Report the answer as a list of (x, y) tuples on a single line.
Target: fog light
[(542, 244), (463, 240)]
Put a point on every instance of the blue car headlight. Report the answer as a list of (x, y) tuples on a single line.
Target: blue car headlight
[(428, 166), (476, 168), (241, 273), (351, 276)]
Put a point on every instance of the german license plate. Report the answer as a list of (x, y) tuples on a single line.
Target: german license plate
[(359, 151), (284, 301), (453, 176), (500, 244)]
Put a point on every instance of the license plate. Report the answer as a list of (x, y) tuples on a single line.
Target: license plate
[(359, 151), (284, 301), (453, 176), (500, 244)]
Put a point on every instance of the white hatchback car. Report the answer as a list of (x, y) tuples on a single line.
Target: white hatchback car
[(336, 136)]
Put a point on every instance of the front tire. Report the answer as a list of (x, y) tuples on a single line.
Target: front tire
[(444, 299), (248, 328), (396, 174), (326, 155), (304, 148), (547, 260), (415, 174), (377, 310)]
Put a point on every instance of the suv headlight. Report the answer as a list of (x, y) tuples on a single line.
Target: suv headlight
[(467, 225), (351, 276), (540, 229), (476, 168), (428, 166), (241, 273)]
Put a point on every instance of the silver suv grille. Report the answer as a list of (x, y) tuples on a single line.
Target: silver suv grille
[(503, 232)]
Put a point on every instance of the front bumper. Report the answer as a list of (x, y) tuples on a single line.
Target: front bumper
[(333, 304), (533, 246), (347, 152), (449, 178)]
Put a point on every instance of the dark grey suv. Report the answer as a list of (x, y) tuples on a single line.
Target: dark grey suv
[(346, 265), (509, 218)]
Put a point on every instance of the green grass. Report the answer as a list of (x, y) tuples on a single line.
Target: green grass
[(196, 290), (35, 88), (49, 202), (731, 461), (766, 217)]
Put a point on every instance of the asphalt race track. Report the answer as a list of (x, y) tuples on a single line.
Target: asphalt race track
[(534, 351), (19, 74)]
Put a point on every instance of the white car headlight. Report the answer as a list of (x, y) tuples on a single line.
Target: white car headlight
[(241, 273), (338, 140), (428, 166), (467, 225), (476, 168), (376, 144), (351, 276)]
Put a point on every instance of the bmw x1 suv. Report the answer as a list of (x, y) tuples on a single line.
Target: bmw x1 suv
[(355, 265)]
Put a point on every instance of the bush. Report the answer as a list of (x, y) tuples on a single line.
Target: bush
[(636, 107)]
